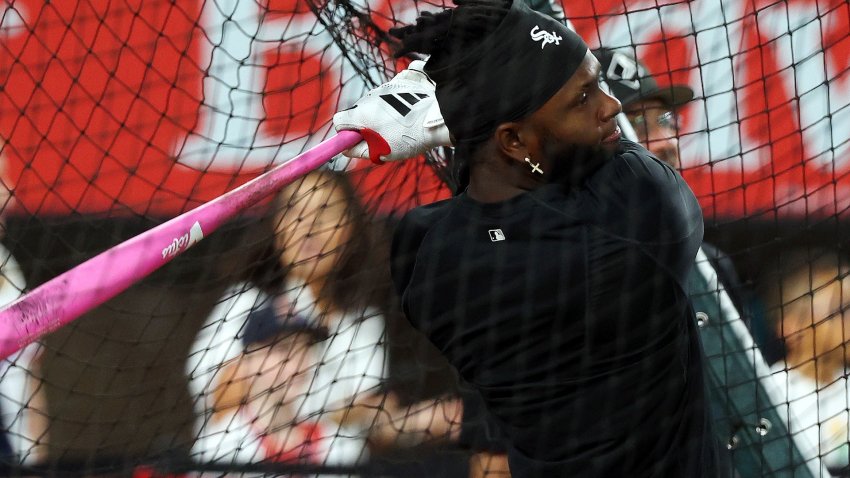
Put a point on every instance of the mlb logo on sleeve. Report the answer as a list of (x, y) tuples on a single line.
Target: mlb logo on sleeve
[(496, 235)]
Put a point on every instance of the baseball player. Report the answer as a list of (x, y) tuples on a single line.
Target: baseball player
[(556, 281)]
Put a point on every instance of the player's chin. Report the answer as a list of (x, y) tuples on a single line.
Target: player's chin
[(609, 148), (611, 139)]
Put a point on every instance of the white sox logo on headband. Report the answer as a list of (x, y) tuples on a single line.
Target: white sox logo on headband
[(473, 91), (544, 37)]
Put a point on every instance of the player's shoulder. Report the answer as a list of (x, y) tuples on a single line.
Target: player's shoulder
[(633, 166), (416, 224), (410, 233), (632, 154), (629, 147), (418, 221)]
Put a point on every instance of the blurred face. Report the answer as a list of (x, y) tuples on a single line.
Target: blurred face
[(313, 227), (656, 126), (580, 116), (816, 324)]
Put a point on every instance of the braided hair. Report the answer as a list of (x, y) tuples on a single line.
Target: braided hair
[(449, 36)]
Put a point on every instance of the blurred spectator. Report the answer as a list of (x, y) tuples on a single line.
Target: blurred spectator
[(652, 111), (717, 295), (24, 423), (334, 272), (809, 304)]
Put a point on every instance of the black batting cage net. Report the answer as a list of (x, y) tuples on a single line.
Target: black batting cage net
[(680, 310)]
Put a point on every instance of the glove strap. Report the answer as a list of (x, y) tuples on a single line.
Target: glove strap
[(378, 146)]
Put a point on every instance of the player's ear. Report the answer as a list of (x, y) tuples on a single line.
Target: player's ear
[(509, 140)]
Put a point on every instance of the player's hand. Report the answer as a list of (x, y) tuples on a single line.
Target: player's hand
[(398, 120)]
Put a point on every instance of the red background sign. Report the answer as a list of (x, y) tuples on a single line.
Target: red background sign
[(98, 100)]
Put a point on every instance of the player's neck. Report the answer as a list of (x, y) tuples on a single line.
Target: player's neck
[(501, 179)]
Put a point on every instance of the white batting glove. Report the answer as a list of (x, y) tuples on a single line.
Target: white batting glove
[(398, 120)]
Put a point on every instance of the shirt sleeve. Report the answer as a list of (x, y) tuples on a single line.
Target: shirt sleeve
[(408, 237), (637, 197), (479, 431), (406, 241)]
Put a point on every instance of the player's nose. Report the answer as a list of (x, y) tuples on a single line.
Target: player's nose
[(610, 108)]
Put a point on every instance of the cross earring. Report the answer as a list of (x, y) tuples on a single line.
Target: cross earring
[(535, 168)]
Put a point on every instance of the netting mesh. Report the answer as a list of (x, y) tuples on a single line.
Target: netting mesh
[(277, 345)]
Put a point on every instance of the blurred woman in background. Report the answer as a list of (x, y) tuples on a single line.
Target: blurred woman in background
[(257, 394), (333, 276), (810, 304)]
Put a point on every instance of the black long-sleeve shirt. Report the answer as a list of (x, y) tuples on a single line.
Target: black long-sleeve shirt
[(567, 309)]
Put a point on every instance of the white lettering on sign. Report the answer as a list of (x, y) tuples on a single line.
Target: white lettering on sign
[(229, 133), (12, 19), (795, 41)]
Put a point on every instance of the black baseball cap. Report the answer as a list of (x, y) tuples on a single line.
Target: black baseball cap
[(630, 81), (264, 324)]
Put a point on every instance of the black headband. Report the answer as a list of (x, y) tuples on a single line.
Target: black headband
[(508, 76)]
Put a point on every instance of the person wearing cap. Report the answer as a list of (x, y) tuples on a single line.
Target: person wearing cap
[(651, 109), (556, 281), (715, 289), (653, 113)]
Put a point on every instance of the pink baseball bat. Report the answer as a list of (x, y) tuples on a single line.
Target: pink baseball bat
[(81, 289)]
